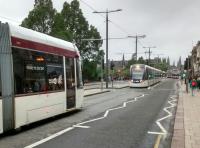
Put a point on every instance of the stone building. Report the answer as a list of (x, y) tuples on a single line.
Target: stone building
[(195, 59)]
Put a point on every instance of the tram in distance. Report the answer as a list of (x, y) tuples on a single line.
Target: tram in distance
[(144, 75), (40, 77)]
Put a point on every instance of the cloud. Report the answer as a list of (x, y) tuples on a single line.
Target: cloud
[(170, 25)]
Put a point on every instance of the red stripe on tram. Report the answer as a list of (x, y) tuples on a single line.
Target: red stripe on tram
[(18, 42)]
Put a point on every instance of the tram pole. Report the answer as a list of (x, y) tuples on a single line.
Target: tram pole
[(187, 78), (149, 52), (102, 72), (106, 12), (106, 48), (136, 42)]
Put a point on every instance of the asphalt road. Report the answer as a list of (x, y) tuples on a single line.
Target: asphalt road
[(122, 128), (93, 106)]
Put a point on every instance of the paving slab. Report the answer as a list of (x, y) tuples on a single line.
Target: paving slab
[(187, 121)]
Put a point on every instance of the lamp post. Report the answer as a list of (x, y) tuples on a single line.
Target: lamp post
[(106, 12), (136, 41), (187, 78)]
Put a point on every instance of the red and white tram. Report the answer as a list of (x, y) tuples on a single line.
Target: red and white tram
[(40, 77)]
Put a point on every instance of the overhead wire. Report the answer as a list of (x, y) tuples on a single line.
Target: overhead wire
[(89, 6), (115, 24), (92, 8), (120, 28)]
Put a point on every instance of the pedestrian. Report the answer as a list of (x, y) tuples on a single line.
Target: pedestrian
[(193, 85)]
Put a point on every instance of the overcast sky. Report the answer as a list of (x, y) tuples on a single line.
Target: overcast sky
[(173, 26)]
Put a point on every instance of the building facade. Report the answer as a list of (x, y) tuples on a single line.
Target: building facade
[(195, 59)]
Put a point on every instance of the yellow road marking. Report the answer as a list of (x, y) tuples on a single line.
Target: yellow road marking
[(157, 143)]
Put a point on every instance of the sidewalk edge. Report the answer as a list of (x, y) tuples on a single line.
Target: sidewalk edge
[(178, 139), (97, 93)]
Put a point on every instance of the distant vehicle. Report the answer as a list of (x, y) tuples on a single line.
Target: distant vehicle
[(144, 75), (173, 76), (40, 77)]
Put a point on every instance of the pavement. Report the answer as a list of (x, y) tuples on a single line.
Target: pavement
[(187, 121), (114, 84), (90, 92), (95, 88)]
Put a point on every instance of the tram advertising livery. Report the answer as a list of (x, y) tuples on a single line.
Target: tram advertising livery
[(40, 77), (144, 75)]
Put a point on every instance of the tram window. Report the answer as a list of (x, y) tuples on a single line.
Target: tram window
[(79, 74), (70, 77), (29, 71), (37, 72), (55, 73), (34, 77)]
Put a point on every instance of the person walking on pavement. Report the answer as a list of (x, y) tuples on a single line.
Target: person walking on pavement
[(193, 85)]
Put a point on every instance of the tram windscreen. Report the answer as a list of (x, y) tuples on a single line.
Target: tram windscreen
[(137, 73)]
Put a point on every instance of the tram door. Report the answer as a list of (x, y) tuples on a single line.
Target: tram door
[(70, 81)]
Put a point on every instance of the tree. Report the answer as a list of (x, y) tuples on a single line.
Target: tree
[(58, 29), (179, 63), (78, 26), (141, 60), (164, 60), (69, 25), (41, 18), (131, 62), (91, 71), (162, 66)]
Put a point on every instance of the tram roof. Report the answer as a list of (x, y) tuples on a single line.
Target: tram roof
[(41, 38), (149, 67)]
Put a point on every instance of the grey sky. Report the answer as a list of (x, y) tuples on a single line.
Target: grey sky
[(173, 26)]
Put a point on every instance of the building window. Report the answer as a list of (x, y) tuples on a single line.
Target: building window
[(36, 72)]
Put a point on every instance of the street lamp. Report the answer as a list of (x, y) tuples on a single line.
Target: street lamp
[(106, 12), (136, 41)]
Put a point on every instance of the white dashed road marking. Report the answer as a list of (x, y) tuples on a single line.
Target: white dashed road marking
[(163, 130), (80, 125), (50, 137)]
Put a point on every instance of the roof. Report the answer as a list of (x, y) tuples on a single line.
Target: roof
[(24, 37)]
